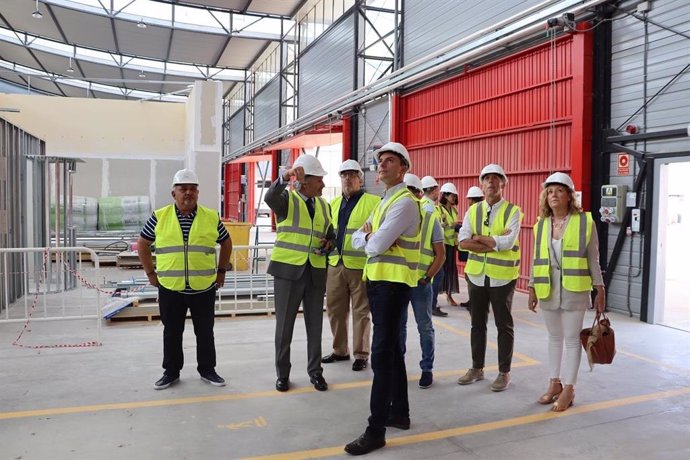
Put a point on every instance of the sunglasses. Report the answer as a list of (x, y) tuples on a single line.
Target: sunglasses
[(488, 213)]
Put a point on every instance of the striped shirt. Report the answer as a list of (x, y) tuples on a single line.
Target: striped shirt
[(149, 233)]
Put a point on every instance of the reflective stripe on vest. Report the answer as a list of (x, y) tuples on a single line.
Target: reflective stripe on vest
[(193, 263), (575, 274), (504, 265), (426, 252), (352, 258), (399, 263), (451, 218), (297, 236)]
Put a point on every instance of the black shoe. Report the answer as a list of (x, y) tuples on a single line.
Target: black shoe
[(401, 423), (283, 384), (214, 379), (426, 380), (165, 381), (319, 382), (465, 304), (333, 358), (438, 312), (365, 444), (359, 365)]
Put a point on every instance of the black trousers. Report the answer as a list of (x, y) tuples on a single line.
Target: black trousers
[(501, 300), (173, 307), (389, 388)]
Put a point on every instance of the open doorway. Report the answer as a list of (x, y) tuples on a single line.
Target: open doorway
[(672, 297)]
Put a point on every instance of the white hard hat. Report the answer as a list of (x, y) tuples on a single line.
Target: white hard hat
[(493, 169), (474, 192), (311, 165), (394, 147), (560, 178), (429, 182), (449, 187), (413, 181), (185, 176), (351, 165)]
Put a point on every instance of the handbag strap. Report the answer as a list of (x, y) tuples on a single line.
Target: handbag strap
[(598, 317)]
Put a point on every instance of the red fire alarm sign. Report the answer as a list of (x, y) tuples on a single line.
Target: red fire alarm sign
[(623, 164)]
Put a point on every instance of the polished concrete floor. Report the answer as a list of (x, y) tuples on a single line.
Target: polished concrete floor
[(99, 402)]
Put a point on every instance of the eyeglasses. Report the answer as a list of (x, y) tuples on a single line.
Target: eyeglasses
[(488, 213)]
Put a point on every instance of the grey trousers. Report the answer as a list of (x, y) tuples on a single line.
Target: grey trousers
[(288, 296)]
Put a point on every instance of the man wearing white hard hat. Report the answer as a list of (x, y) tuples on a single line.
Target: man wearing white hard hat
[(429, 203), (489, 233), (345, 289), (391, 239), (431, 260), (474, 195), (449, 221), (304, 236), (186, 274)]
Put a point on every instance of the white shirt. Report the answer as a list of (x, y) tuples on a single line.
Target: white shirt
[(402, 218), (503, 242)]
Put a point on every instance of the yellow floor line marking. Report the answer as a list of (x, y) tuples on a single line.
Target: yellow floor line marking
[(683, 370), (482, 427), (490, 344), (214, 398)]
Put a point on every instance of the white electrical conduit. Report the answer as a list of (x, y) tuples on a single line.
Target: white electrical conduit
[(521, 26)]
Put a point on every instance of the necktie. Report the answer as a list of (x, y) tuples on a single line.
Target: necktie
[(310, 207)]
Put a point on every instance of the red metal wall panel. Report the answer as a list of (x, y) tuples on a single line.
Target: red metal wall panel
[(233, 191), (529, 112)]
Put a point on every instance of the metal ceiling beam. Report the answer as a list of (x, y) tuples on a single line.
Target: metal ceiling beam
[(517, 28)]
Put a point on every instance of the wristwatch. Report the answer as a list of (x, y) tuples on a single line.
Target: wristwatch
[(427, 278)]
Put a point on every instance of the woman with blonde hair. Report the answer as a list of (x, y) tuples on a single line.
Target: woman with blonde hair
[(565, 267)]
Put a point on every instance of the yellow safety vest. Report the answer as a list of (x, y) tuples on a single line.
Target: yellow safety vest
[(352, 258), (194, 261), (399, 263), (437, 208), (502, 265), (426, 252), (297, 236), (575, 274), (451, 218)]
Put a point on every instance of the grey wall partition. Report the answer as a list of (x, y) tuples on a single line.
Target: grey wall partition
[(19, 180), (236, 127), (667, 56), (374, 131), (326, 68), (432, 24), (266, 109)]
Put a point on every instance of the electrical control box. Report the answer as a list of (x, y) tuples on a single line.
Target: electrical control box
[(636, 220), (612, 203)]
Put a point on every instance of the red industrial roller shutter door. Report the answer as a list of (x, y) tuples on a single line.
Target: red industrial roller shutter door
[(529, 112), (232, 191)]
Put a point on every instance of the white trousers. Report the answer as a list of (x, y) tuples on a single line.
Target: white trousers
[(564, 327)]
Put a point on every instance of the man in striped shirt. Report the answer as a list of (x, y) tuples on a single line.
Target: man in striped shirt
[(186, 274)]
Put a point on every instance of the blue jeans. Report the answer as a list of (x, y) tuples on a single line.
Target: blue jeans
[(387, 301), (437, 285), (421, 306)]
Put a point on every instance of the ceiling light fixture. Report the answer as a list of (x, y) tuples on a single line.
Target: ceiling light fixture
[(141, 24), (70, 69), (37, 13), (142, 74)]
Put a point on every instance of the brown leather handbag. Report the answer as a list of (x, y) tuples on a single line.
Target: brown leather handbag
[(599, 341)]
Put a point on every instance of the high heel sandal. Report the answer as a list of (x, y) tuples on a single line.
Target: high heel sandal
[(552, 393), (565, 400)]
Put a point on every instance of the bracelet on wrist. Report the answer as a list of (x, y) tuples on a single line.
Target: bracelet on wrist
[(221, 270), (152, 272)]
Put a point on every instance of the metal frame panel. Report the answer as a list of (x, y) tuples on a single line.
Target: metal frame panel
[(266, 104), (326, 69), (519, 112)]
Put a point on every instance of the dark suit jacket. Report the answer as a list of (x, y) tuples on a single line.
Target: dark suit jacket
[(277, 198)]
